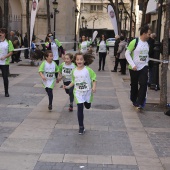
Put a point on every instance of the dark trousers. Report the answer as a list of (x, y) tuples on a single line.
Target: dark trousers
[(57, 62), (116, 63), (102, 59), (26, 53), (50, 95), (123, 65), (69, 91), (5, 73), (80, 114), (139, 77)]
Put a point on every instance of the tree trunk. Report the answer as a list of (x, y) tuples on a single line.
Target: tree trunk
[(115, 7), (27, 22), (6, 13), (48, 16), (145, 4), (164, 67)]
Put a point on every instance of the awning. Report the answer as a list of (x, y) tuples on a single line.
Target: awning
[(152, 7)]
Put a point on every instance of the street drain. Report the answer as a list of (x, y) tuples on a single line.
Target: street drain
[(11, 75), (104, 107)]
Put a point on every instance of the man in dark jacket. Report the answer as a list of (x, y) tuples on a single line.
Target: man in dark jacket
[(117, 37)]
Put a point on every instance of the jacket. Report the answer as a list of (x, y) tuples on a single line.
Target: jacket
[(122, 49)]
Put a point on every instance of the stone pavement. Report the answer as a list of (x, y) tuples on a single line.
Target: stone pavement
[(117, 136)]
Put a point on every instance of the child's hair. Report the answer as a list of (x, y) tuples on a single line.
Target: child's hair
[(70, 56), (46, 54), (88, 58)]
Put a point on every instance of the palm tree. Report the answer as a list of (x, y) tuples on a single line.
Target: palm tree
[(6, 13), (48, 16)]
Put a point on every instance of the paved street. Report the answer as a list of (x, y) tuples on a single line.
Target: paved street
[(117, 136)]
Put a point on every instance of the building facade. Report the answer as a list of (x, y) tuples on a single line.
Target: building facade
[(65, 19), (94, 16)]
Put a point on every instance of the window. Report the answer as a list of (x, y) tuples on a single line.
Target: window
[(96, 8)]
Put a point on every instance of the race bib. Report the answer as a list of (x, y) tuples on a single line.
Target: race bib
[(142, 58), (67, 71), (83, 86), (49, 75)]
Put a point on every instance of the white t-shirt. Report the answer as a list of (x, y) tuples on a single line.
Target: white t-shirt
[(48, 70), (140, 56), (102, 47), (54, 49), (66, 71), (82, 80), (84, 47)]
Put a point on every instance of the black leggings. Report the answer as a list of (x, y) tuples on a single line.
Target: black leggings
[(102, 59), (57, 62), (69, 91), (80, 114), (50, 95), (5, 73)]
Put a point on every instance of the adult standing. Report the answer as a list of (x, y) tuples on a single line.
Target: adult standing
[(6, 50), (15, 42), (26, 52), (102, 48), (21, 43), (83, 46), (121, 53), (55, 46), (138, 65), (116, 46)]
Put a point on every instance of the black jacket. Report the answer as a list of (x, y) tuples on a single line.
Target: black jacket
[(116, 46)]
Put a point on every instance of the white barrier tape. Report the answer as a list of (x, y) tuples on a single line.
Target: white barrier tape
[(60, 42), (20, 49), (161, 61)]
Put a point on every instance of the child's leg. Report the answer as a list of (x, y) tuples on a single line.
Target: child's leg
[(66, 84), (87, 105), (71, 95), (80, 114), (50, 95)]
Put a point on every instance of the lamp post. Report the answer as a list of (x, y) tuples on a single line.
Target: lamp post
[(55, 5), (134, 23), (120, 10), (85, 24), (94, 19), (131, 9), (75, 38), (82, 20), (155, 80), (126, 17)]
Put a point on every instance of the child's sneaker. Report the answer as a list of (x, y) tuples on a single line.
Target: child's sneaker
[(70, 108), (49, 107), (81, 131)]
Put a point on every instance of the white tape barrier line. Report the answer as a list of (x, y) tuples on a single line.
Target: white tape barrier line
[(20, 49), (161, 61), (60, 42)]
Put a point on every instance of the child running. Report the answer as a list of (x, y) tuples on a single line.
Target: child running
[(84, 82), (47, 71), (65, 73)]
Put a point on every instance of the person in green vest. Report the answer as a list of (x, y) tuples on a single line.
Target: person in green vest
[(6, 50)]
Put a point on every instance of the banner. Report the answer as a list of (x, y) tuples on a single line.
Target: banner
[(33, 15), (112, 17), (94, 35)]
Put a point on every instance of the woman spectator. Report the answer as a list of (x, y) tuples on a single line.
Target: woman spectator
[(83, 46), (6, 50), (102, 48), (55, 46), (121, 54)]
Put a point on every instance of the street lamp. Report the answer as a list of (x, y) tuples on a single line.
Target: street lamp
[(82, 20), (134, 29), (75, 38), (55, 5), (85, 24), (120, 10), (155, 80), (126, 17), (94, 19)]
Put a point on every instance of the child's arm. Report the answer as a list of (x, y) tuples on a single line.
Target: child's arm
[(69, 86), (94, 86), (59, 76), (42, 76)]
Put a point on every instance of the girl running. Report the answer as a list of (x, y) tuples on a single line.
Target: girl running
[(47, 71), (65, 73), (84, 82), (83, 46)]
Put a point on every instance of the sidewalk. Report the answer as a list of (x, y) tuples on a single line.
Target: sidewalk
[(117, 136)]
